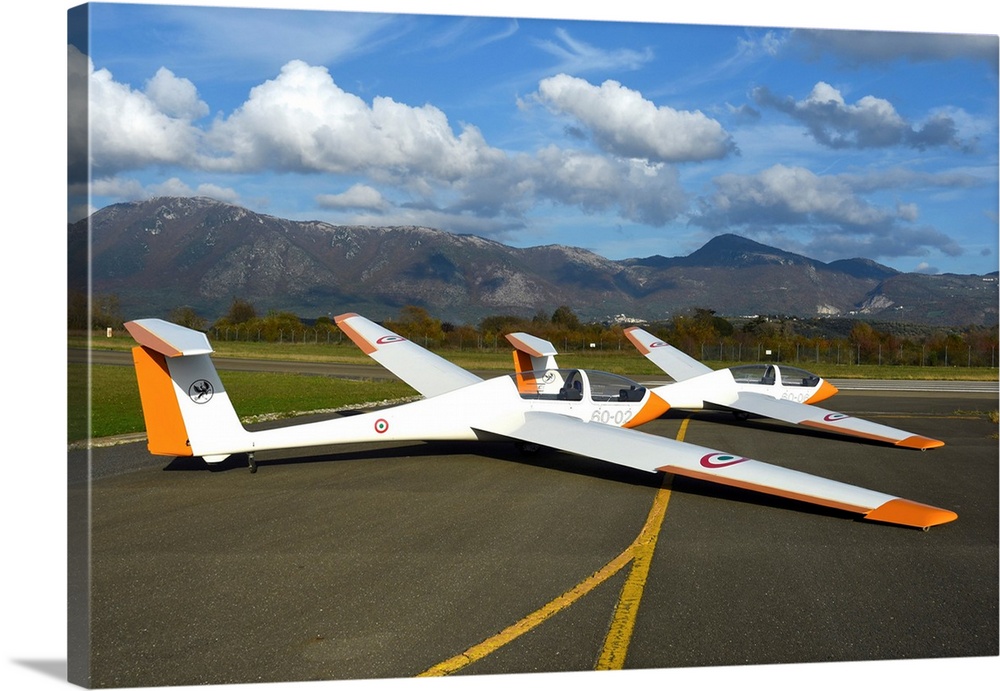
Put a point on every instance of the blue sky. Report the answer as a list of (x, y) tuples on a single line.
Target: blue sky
[(629, 138)]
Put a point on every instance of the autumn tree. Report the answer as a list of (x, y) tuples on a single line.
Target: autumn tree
[(464, 336), (503, 324), (105, 311), (240, 312), (186, 316), (277, 326), (864, 340), (416, 324), (565, 318)]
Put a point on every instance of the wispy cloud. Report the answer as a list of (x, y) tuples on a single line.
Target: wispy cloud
[(575, 57), (468, 34)]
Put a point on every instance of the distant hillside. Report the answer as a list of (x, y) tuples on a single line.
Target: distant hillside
[(166, 252)]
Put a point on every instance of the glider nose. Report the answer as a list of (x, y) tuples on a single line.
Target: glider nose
[(825, 390), (653, 408)]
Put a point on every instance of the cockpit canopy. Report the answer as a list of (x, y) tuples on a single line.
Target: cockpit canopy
[(576, 385), (773, 374)]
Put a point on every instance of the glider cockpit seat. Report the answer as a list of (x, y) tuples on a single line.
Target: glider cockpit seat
[(573, 391), (633, 394), (768, 378)]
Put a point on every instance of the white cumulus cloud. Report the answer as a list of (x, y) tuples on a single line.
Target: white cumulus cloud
[(356, 197), (790, 194), (827, 207), (625, 123), (129, 129), (303, 121), (870, 122), (636, 190), (175, 96)]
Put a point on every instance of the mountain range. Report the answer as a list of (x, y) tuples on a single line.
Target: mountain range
[(167, 252)]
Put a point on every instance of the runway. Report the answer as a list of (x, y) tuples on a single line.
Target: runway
[(369, 371), (392, 561)]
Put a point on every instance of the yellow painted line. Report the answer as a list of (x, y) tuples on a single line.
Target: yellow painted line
[(641, 550), (490, 645), (623, 622)]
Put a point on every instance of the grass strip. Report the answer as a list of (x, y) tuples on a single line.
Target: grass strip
[(115, 406)]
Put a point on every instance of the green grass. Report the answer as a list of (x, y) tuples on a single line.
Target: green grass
[(116, 408)]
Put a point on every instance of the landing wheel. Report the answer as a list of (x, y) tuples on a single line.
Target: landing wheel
[(527, 448), (252, 463), (741, 415)]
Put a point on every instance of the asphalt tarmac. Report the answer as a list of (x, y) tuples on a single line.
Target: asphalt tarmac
[(388, 561)]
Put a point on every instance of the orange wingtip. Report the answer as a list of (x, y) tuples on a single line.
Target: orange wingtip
[(635, 340), (911, 513), (918, 442), (359, 340)]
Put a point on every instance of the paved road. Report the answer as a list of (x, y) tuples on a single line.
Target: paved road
[(329, 369), (373, 562), (916, 385), (334, 369)]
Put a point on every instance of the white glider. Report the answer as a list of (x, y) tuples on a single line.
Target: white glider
[(188, 413), (774, 391)]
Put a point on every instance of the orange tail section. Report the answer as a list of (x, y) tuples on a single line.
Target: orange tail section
[(184, 403), (167, 435)]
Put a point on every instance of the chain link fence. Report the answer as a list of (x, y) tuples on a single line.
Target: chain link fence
[(847, 353), (954, 353)]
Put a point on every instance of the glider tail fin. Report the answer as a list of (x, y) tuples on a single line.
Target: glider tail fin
[(531, 355), (185, 406)]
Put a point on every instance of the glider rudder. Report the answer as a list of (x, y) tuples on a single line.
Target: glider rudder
[(184, 404), (165, 431)]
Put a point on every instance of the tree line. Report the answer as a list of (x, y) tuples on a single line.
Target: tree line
[(700, 332)]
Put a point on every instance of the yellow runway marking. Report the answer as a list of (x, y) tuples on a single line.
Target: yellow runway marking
[(620, 634), (622, 624), (640, 553), (492, 644)]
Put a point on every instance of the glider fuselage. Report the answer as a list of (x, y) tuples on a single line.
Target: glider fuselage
[(721, 387), (461, 414)]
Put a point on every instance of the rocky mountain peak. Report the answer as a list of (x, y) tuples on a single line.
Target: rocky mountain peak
[(167, 252)]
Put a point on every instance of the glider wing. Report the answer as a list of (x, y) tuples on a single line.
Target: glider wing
[(426, 372), (827, 420), (675, 363), (650, 452)]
